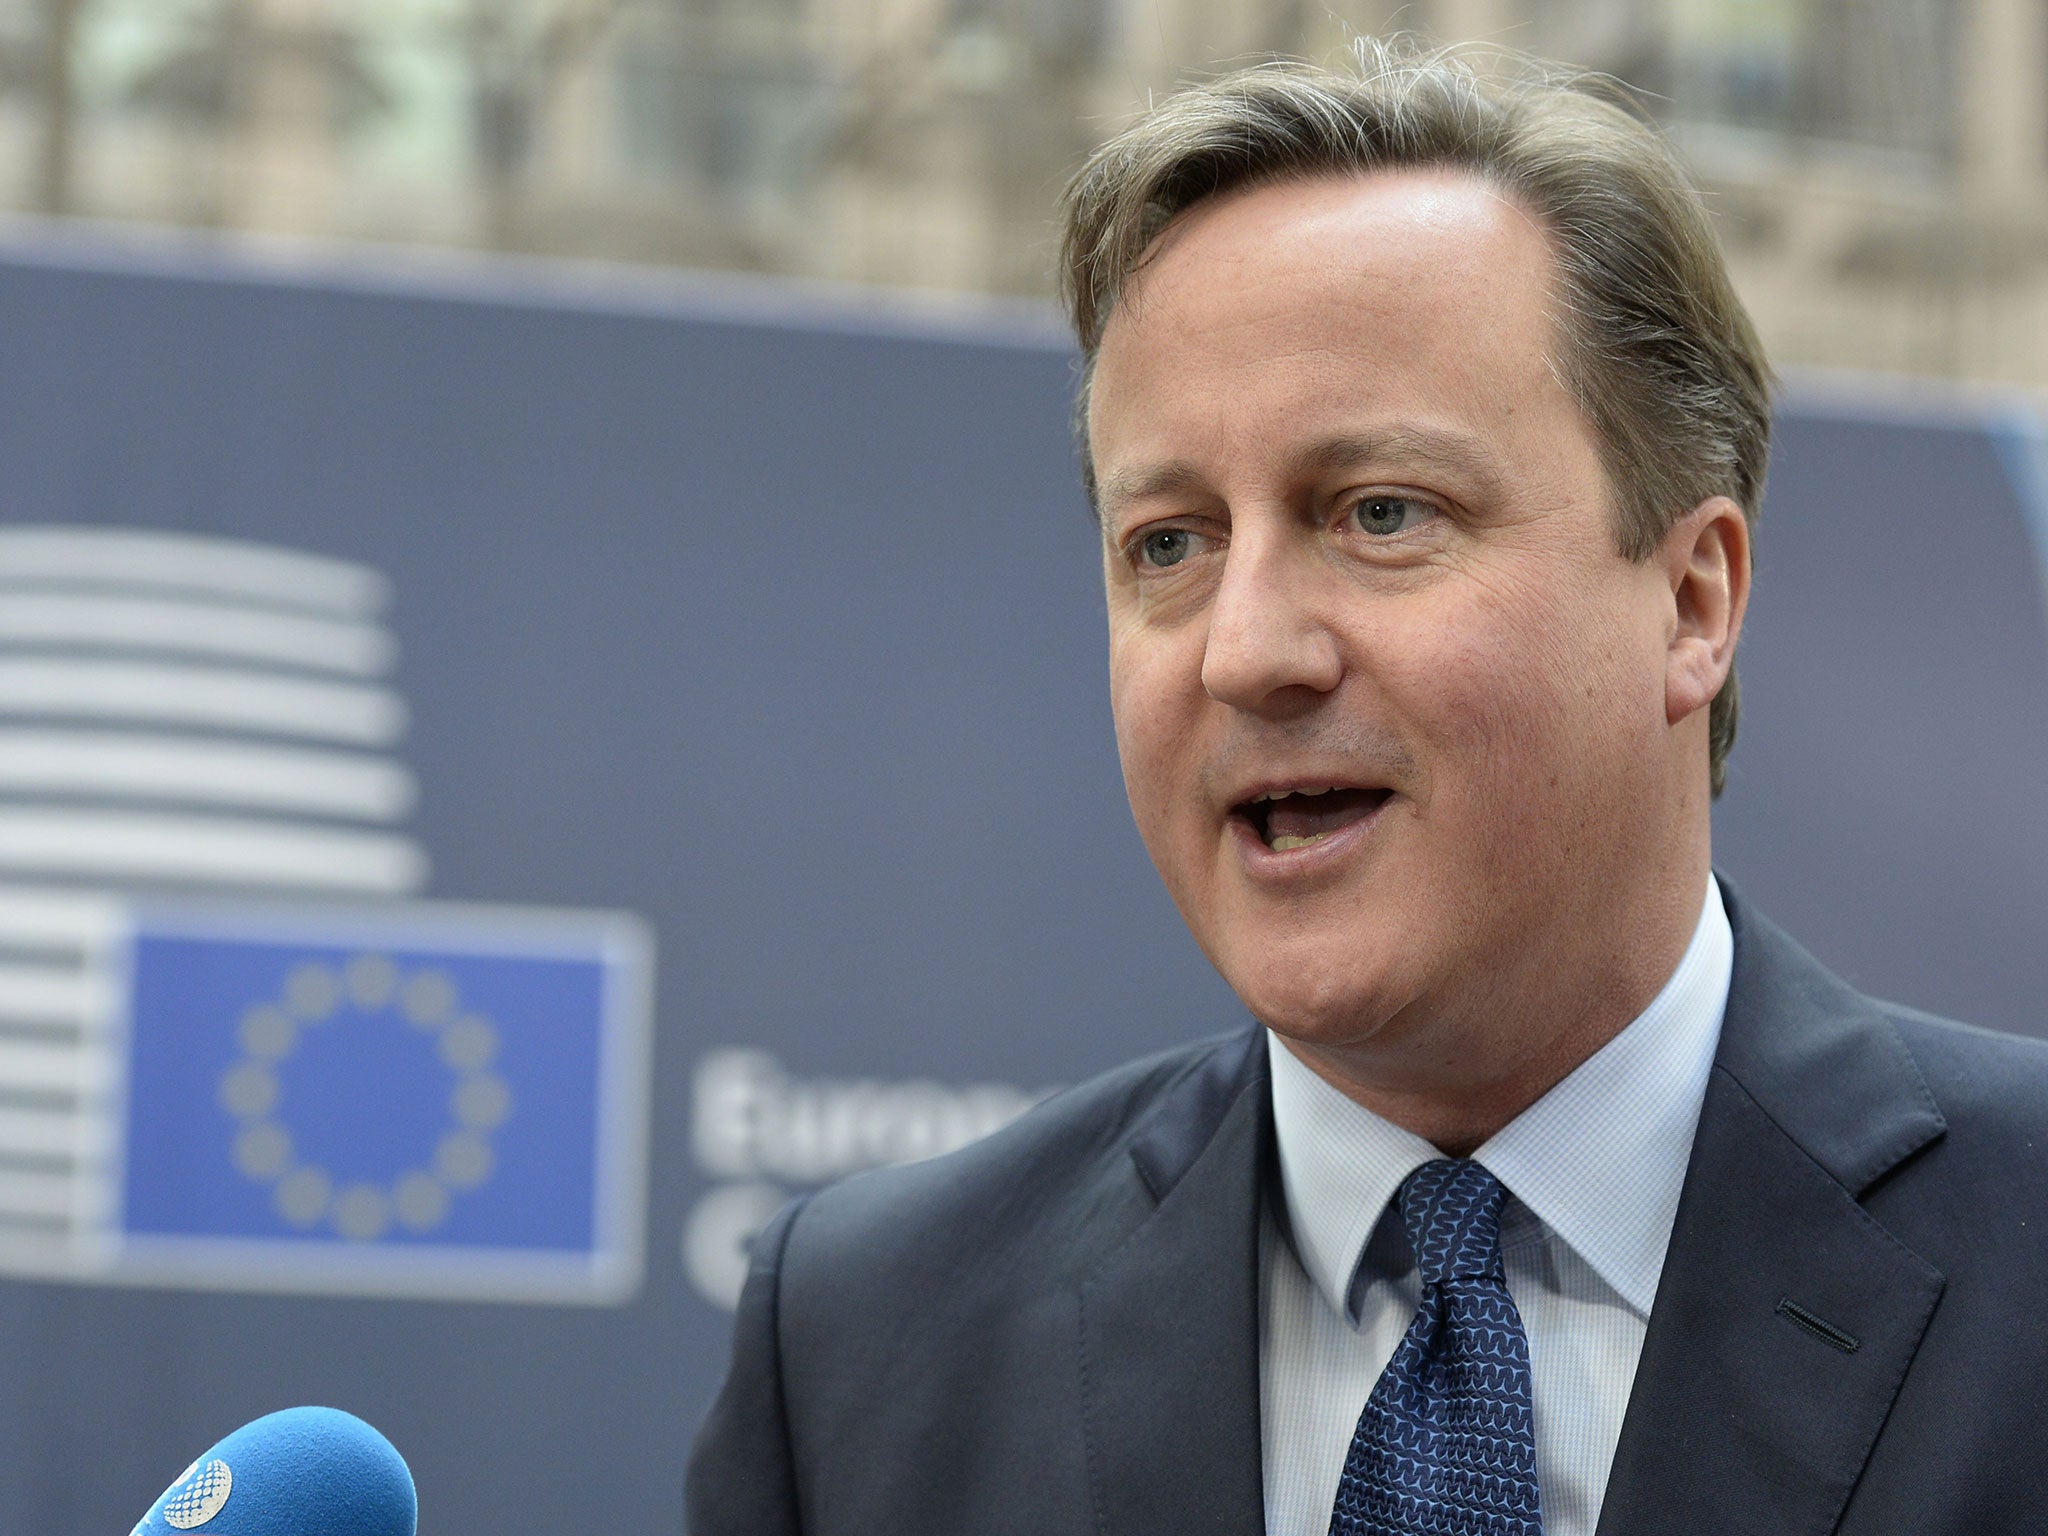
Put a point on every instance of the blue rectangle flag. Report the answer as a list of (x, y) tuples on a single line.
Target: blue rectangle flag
[(411, 1100)]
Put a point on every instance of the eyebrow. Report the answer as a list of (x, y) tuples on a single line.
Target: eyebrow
[(1139, 484), (1457, 452)]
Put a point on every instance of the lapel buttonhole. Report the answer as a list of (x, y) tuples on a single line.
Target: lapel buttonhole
[(1826, 1332)]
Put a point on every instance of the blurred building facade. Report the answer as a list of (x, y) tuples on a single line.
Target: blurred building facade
[(1879, 167)]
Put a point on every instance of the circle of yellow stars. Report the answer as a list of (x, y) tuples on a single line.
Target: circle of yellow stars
[(306, 1195)]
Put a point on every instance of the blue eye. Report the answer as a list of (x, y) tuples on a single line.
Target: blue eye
[(1388, 514), (1164, 547)]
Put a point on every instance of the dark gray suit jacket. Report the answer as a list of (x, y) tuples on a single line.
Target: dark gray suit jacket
[(1056, 1330)]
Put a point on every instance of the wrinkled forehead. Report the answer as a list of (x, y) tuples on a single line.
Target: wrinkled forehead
[(1296, 301), (1453, 204)]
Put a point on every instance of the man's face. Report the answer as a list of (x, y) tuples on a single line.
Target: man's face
[(1392, 707)]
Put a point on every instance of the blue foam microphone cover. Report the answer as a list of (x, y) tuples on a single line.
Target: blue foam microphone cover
[(302, 1472)]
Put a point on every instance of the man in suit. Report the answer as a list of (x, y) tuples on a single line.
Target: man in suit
[(1558, 1191)]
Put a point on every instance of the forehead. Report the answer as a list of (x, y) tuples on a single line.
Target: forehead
[(1304, 307)]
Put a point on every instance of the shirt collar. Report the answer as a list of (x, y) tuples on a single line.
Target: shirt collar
[(1599, 1159)]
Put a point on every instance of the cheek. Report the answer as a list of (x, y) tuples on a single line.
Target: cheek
[(1527, 700), (1152, 716)]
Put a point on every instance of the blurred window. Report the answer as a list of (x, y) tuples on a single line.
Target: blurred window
[(1876, 73)]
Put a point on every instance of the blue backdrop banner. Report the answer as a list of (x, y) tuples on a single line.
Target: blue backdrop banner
[(393, 666)]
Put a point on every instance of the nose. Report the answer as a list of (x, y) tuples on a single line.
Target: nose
[(1269, 649)]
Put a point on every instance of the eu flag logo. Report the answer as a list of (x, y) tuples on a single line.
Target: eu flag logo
[(414, 1100)]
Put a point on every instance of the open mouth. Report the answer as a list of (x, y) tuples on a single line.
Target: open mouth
[(1290, 819)]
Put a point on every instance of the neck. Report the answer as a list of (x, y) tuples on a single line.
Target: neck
[(1456, 1076)]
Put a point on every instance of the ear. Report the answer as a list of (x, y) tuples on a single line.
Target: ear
[(1705, 555)]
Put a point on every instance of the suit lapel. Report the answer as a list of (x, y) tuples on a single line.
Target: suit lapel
[(1786, 1317), (1170, 1322)]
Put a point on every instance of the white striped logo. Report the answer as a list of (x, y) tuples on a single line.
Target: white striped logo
[(200, 1495)]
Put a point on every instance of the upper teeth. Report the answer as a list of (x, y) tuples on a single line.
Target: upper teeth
[(1282, 794)]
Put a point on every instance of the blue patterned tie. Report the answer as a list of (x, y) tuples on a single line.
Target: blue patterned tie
[(1447, 1443)]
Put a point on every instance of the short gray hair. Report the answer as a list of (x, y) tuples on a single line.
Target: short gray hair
[(1654, 344)]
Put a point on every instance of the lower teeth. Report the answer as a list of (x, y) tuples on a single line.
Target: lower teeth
[(1286, 841)]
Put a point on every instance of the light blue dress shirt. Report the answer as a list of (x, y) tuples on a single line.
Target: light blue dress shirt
[(1593, 1171)]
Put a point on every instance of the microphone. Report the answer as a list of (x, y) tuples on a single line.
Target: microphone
[(301, 1472)]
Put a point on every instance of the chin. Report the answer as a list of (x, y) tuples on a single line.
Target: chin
[(1318, 999)]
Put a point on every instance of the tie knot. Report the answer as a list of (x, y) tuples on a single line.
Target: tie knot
[(1451, 1208)]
